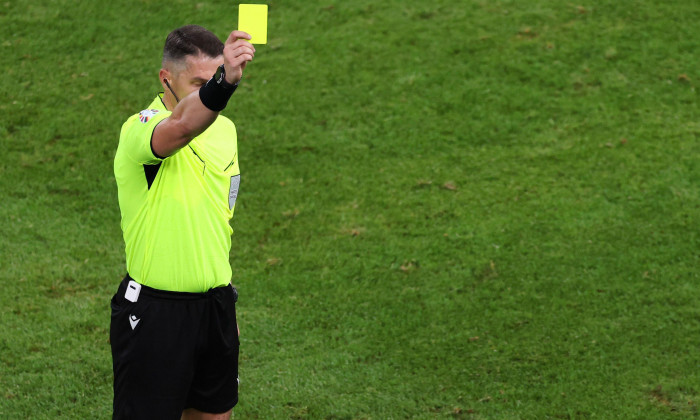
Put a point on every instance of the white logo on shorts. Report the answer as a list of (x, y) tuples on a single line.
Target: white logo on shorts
[(133, 320)]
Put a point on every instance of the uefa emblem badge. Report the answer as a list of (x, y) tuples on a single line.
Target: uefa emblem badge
[(147, 114)]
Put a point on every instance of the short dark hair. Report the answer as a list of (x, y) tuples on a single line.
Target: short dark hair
[(191, 40)]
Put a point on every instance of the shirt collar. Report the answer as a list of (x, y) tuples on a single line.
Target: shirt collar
[(158, 103)]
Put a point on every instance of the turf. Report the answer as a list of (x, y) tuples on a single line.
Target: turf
[(476, 210)]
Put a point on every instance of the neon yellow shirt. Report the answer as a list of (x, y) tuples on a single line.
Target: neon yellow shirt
[(175, 217)]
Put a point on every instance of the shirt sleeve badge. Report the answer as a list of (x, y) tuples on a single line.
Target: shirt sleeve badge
[(147, 114)]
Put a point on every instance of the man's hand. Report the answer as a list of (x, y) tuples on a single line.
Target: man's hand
[(237, 53)]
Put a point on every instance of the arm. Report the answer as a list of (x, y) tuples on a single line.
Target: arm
[(191, 117)]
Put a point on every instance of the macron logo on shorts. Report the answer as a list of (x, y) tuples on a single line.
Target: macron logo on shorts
[(133, 320)]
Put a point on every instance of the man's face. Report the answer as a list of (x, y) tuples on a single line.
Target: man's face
[(190, 76)]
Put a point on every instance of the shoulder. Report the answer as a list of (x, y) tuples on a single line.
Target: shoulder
[(136, 132), (145, 120)]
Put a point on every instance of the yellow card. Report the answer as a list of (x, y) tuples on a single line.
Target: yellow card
[(252, 18)]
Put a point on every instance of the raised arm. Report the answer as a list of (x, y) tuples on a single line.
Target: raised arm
[(200, 107)]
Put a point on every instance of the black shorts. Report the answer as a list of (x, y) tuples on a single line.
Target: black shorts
[(174, 350)]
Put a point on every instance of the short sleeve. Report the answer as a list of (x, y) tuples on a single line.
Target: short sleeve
[(135, 138)]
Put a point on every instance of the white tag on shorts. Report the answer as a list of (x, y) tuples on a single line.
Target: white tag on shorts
[(133, 290), (233, 191)]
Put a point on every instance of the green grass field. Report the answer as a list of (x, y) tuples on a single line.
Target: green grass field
[(449, 209)]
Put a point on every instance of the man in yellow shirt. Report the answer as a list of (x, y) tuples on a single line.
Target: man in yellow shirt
[(173, 330)]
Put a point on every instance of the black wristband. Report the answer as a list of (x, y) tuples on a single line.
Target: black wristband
[(215, 96)]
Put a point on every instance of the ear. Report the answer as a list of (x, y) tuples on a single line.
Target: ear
[(164, 74)]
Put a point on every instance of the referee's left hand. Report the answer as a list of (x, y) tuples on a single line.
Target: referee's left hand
[(237, 53)]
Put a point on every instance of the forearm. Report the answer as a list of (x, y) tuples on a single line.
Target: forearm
[(189, 119)]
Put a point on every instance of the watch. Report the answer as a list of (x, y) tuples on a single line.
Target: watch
[(220, 78)]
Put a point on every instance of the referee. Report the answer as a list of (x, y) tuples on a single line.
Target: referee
[(173, 330)]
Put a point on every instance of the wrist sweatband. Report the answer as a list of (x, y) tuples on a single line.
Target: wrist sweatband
[(215, 96)]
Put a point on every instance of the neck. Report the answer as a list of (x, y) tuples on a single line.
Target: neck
[(169, 100)]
